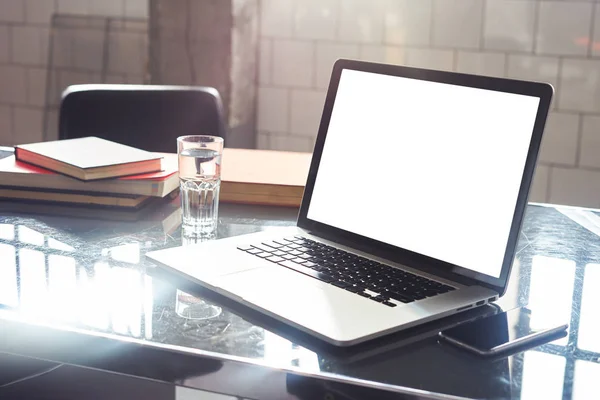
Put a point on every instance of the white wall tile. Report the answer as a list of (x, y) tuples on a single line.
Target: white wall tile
[(78, 7), (431, 59), (28, 124), (590, 142), (509, 25), (127, 52), (115, 78), (5, 126), (596, 34), (382, 54), (316, 19), (575, 187), (290, 143), (488, 64), (580, 85), (265, 65), (276, 18), (361, 21), (262, 140), (4, 44), (564, 28), (12, 10), (107, 8), (457, 23), (88, 49), (13, 84), (136, 8), (293, 63), (533, 68), (273, 110), (39, 11), (327, 54), (306, 108), (51, 132), (36, 88), (560, 140), (30, 45), (539, 186), (408, 22)]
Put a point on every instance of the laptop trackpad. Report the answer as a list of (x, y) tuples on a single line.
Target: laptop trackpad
[(299, 299)]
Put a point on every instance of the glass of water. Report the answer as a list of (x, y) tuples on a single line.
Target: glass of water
[(200, 182)]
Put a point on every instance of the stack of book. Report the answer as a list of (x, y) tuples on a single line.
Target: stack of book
[(87, 176)]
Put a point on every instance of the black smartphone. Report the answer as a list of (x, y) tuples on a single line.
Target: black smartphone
[(500, 333)]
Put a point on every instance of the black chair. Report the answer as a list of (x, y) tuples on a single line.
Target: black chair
[(148, 117)]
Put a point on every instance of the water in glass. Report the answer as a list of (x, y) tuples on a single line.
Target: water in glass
[(200, 182)]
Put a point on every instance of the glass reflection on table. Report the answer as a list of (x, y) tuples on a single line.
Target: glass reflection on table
[(551, 293), (44, 279), (589, 325), (586, 385), (543, 376)]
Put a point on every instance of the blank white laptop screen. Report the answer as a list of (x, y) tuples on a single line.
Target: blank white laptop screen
[(429, 167)]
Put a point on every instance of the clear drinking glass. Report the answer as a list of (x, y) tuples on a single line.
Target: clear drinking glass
[(200, 182)]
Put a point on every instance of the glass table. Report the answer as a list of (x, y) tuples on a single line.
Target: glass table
[(79, 291)]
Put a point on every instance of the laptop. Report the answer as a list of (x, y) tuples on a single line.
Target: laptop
[(411, 211)]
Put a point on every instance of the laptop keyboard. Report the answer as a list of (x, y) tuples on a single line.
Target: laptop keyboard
[(359, 275)]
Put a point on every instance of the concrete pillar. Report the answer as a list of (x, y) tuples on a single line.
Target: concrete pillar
[(210, 43)]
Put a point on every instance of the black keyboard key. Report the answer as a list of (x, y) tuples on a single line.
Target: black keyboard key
[(307, 271), (263, 255), (299, 260), (379, 299), (429, 292), (353, 289), (264, 248), (275, 259), (341, 284), (309, 264), (363, 294), (306, 256), (245, 247), (398, 297), (293, 245), (387, 303)]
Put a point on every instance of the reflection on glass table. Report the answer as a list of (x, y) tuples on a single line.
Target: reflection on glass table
[(186, 305), (93, 276)]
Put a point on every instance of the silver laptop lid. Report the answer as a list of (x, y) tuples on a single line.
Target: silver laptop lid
[(428, 168)]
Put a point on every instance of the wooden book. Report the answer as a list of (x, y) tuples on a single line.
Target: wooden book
[(264, 177), (157, 184), (89, 158)]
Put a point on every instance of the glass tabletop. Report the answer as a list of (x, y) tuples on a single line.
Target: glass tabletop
[(90, 276)]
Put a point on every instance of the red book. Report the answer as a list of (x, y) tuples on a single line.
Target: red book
[(18, 174)]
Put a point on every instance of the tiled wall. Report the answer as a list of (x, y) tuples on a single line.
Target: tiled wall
[(24, 42), (552, 41)]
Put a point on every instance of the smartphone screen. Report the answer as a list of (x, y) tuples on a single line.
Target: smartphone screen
[(488, 333)]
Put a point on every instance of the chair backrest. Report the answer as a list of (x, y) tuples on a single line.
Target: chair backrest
[(148, 117)]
